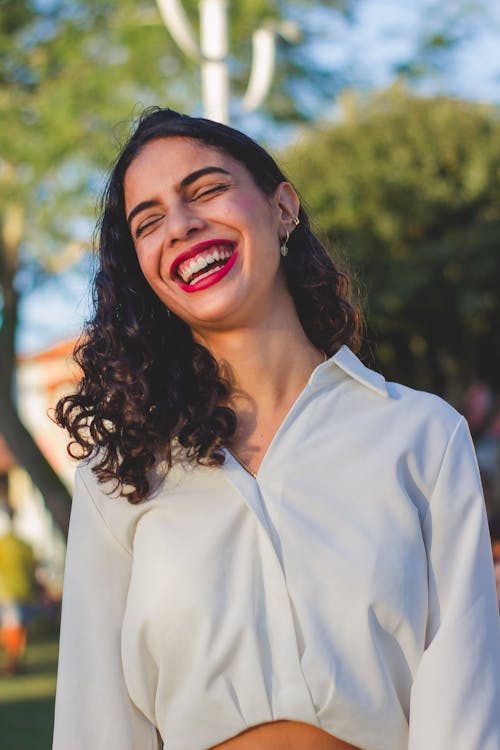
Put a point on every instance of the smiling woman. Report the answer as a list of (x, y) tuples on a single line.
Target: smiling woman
[(304, 549)]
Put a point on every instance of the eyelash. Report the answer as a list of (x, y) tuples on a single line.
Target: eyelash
[(202, 194), (143, 227), (209, 191)]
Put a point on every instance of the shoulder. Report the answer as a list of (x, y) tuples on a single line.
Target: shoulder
[(370, 391), (102, 501), (409, 430), (434, 430), (113, 512), (423, 407)]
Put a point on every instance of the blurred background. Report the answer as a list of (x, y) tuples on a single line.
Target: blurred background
[(385, 114)]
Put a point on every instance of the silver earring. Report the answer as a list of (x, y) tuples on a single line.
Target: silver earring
[(284, 242), (284, 245)]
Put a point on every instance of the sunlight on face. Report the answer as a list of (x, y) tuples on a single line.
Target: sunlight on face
[(207, 238)]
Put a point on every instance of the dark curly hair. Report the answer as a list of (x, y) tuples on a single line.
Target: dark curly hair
[(146, 382)]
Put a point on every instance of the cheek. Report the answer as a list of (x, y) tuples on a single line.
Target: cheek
[(249, 211), (145, 266), (149, 260)]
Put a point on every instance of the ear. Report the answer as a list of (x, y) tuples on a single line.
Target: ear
[(287, 204)]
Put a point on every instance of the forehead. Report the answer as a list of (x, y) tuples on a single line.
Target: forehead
[(172, 159)]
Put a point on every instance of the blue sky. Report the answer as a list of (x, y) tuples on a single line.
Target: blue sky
[(389, 30), (383, 33)]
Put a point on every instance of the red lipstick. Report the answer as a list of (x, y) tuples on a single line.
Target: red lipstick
[(195, 250), (213, 278)]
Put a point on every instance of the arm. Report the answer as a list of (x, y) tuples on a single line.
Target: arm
[(455, 700), (93, 708)]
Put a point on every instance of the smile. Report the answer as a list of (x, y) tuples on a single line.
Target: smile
[(203, 264)]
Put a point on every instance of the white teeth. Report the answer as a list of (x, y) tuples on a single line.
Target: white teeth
[(198, 264), (202, 275)]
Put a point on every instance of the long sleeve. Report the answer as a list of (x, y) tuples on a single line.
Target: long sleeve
[(93, 708), (455, 701)]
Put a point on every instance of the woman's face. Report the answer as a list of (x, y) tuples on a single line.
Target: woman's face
[(207, 238)]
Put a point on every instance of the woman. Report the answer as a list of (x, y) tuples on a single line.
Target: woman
[(303, 560)]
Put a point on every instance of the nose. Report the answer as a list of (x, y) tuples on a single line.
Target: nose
[(182, 222)]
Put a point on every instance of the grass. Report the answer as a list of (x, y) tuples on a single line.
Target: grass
[(27, 700)]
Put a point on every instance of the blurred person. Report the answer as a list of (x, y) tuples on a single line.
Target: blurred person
[(482, 411), (271, 546), (17, 592)]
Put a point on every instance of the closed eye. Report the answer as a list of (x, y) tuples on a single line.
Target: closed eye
[(205, 193), (148, 223)]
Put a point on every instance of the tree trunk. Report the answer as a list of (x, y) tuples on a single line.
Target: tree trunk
[(22, 445), (18, 438)]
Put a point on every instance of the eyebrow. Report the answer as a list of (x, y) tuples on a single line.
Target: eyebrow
[(188, 180)]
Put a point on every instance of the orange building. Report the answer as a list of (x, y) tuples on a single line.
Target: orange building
[(41, 379)]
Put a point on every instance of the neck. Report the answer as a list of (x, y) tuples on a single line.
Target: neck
[(268, 366), (268, 359)]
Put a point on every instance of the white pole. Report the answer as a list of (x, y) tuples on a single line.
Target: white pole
[(175, 19), (261, 74), (214, 50)]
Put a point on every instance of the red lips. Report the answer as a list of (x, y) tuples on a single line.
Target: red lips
[(213, 277)]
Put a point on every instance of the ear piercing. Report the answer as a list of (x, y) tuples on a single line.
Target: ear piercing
[(283, 246), (284, 242)]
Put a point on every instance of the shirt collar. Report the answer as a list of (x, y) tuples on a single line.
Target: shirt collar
[(345, 362)]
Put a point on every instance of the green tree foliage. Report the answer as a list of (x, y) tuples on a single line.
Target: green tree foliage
[(410, 190), (300, 85)]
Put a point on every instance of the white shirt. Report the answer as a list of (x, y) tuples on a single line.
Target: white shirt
[(349, 586)]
